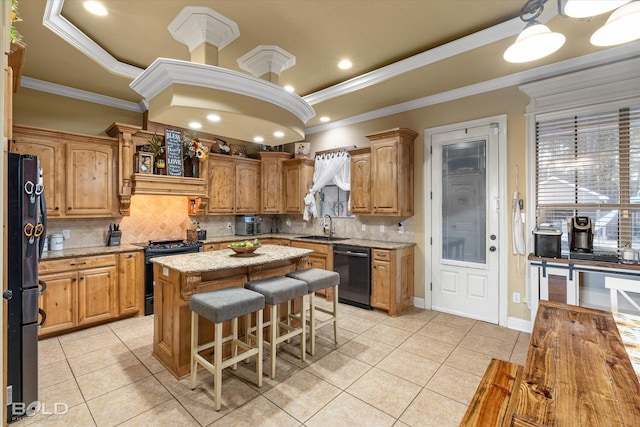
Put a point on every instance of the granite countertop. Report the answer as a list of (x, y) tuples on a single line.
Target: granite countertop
[(88, 251), (226, 259), (380, 244)]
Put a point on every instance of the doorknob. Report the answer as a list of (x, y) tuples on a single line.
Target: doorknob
[(8, 294), (492, 237), (492, 248)]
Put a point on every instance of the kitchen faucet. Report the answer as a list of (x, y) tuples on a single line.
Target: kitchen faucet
[(331, 230)]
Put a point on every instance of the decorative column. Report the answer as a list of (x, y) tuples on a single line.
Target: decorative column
[(267, 62)]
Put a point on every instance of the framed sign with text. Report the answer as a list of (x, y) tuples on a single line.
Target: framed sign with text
[(173, 147)]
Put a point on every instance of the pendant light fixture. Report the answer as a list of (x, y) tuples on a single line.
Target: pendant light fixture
[(537, 40)]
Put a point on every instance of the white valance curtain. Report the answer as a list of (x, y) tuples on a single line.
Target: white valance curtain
[(328, 168)]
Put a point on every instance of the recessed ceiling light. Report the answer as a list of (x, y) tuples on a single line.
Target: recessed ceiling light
[(289, 88), (278, 134), (345, 64), (195, 125), (95, 7), (258, 139), (213, 118), (325, 119)]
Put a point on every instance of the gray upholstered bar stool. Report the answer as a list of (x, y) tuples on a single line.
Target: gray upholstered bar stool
[(318, 279), (278, 290), (218, 307)]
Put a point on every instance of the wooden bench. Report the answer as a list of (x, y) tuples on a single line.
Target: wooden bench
[(492, 404)]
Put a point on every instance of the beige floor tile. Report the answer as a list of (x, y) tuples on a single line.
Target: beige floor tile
[(367, 350), (200, 401), (258, 412), (408, 323), (99, 359), (302, 395), (469, 361), (446, 333), (325, 335), (247, 372), (431, 409), (50, 351), (149, 361), (110, 378), (127, 402), (346, 410), (53, 373), (409, 366), (132, 332), (384, 391), (66, 392), (492, 346), (338, 369), (371, 315), (524, 338), (131, 321), (495, 331), (428, 347), (168, 414), (420, 314), (453, 321), (519, 354), (82, 334), (78, 415), (140, 344), (355, 324), (387, 334), (454, 384), (89, 343)]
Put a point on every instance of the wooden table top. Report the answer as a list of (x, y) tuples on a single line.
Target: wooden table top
[(577, 372)]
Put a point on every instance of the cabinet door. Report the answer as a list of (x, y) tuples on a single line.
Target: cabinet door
[(294, 200), (97, 295), (59, 301), (380, 284), (50, 156), (271, 186), (130, 282), (384, 176), (90, 180), (247, 194), (221, 186), (361, 183)]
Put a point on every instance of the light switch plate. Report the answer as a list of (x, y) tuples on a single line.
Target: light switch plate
[(66, 234), (364, 227), (382, 228)]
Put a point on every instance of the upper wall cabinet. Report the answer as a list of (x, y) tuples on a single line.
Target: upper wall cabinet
[(272, 181), (79, 171), (234, 185), (360, 180), (392, 172), (298, 179)]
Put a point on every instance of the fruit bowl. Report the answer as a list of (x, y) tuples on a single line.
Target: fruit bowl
[(243, 249)]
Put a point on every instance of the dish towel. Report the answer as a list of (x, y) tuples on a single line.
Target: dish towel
[(309, 207)]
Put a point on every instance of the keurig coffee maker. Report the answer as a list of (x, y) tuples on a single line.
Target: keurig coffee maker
[(581, 234)]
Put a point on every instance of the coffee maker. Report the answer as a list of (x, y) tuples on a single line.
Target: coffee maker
[(581, 234)]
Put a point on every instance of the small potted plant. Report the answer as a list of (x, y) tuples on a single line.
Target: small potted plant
[(157, 149)]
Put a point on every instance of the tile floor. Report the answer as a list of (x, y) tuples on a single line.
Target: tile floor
[(417, 369)]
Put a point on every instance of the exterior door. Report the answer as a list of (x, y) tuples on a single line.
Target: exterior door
[(465, 223)]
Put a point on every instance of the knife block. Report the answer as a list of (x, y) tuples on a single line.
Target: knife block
[(113, 239)]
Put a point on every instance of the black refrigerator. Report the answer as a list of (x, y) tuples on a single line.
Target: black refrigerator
[(26, 234)]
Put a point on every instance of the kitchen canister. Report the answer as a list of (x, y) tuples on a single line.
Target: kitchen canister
[(56, 242)]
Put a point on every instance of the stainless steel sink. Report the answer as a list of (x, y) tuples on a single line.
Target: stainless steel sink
[(325, 238)]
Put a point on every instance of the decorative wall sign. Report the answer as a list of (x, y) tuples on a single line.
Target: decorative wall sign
[(173, 146)]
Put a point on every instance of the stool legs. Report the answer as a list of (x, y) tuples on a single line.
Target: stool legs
[(314, 324), (275, 338), (217, 356)]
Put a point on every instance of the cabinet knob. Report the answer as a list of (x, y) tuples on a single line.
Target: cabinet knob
[(69, 208), (81, 277), (74, 280), (57, 208)]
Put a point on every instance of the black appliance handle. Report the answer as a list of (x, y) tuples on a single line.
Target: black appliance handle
[(349, 253), (43, 236), (43, 314), (44, 286)]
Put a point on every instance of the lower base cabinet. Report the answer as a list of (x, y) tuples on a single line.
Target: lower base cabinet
[(392, 279), (84, 291), (322, 257)]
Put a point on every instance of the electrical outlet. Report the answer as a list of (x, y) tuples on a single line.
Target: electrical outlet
[(304, 224), (382, 228), (229, 226), (516, 297), (364, 227), (400, 227), (66, 234)]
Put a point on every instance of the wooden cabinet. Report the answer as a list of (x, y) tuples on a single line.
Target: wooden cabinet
[(130, 282), (79, 171), (360, 180), (233, 185), (392, 172), (272, 181), (298, 179), (83, 291), (322, 257), (392, 279)]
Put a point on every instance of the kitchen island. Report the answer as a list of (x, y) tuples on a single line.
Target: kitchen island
[(180, 276)]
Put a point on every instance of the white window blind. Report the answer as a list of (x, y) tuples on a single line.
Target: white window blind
[(589, 165)]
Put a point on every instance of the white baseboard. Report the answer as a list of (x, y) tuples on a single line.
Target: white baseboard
[(519, 324), (418, 302)]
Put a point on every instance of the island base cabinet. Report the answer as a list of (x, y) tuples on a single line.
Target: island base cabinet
[(97, 295), (392, 279)]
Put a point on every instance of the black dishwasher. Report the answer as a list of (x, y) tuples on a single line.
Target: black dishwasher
[(354, 266)]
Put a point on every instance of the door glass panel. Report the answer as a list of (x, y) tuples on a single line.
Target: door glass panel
[(464, 202)]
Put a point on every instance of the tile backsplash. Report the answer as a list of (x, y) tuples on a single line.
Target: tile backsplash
[(162, 217)]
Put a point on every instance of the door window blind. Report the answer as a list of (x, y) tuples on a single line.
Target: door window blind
[(589, 165)]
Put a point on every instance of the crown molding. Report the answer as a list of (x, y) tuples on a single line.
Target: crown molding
[(265, 59), (82, 95), (195, 25)]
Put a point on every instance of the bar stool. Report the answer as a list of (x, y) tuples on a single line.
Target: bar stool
[(218, 307), (277, 290), (316, 280)]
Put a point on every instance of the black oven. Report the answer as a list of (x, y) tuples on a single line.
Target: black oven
[(156, 248)]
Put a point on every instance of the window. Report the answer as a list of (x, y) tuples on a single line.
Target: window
[(589, 165), (334, 201)]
